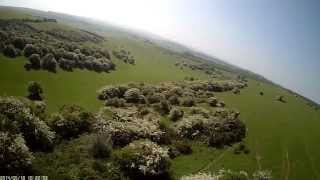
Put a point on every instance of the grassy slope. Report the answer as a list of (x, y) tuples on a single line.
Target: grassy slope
[(283, 136), (80, 86)]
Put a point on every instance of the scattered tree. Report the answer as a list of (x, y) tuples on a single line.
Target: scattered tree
[(35, 91), (10, 51), (35, 61), (49, 63)]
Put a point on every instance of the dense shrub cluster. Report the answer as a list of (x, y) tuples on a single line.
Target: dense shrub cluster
[(227, 133), (10, 51), (18, 117), (163, 97), (49, 49), (218, 130), (109, 92), (187, 121), (124, 55), (71, 121), (144, 158), (15, 157), (21, 130), (133, 95), (127, 125)]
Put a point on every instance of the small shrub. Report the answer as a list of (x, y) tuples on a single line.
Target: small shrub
[(143, 159), (71, 121), (109, 92), (163, 107), (15, 156), (102, 146), (174, 100), (227, 132), (187, 102), (115, 102), (19, 43), (236, 90), (49, 63), (29, 49), (37, 134), (10, 51), (212, 101), (35, 91), (35, 61), (175, 114), (154, 98), (281, 99), (169, 135), (39, 108), (132, 95)]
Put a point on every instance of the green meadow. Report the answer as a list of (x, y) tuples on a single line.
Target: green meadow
[(282, 137)]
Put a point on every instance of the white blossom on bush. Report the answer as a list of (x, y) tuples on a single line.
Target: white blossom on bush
[(125, 125), (144, 158), (15, 157), (36, 132)]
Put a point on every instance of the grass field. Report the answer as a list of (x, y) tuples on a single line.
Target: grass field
[(80, 86), (282, 137)]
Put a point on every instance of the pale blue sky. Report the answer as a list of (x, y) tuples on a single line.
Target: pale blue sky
[(277, 39)]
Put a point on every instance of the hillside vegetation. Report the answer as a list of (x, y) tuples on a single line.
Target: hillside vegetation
[(188, 116)]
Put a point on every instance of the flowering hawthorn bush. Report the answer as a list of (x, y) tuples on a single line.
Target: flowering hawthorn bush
[(144, 158)]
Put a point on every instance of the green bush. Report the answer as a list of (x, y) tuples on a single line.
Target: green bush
[(35, 91), (19, 43), (49, 63), (30, 49), (15, 158), (102, 145), (10, 51), (163, 107), (227, 133), (35, 62), (132, 95), (115, 102), (143, 159), (174, 100), (154, 98), (71, 121), (110, 92), (19, 116), (169, 135), (187, 102), (176, 114), (212, 101)]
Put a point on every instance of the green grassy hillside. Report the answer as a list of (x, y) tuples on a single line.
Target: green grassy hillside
[(80, 86), (282, 137)]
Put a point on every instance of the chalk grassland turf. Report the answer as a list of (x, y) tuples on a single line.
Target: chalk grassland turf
[(80, 86), (282, 137)]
